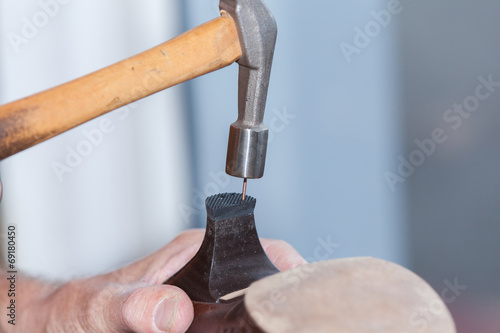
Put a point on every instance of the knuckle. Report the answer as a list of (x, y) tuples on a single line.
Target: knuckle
[(132, 308), (130, 301)]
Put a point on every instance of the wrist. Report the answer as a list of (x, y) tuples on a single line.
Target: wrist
[(32, 305)]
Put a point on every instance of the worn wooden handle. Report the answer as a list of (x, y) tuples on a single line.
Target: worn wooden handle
[(29, 121)]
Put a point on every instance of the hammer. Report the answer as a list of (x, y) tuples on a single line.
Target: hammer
[(246, 32)]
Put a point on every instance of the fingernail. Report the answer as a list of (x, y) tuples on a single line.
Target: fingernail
[(165, 314)]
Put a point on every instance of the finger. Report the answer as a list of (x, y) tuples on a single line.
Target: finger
[(170, 259), (167, 268), (282, 254), (157, 267), (153, 309)]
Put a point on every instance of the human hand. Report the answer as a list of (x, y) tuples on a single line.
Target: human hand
[(132, 299)]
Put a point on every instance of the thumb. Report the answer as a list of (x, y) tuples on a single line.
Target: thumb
[(156, 309)]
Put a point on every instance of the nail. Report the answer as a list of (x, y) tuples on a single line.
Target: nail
[(165, 314)]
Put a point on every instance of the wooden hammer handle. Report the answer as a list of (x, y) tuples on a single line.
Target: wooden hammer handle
[(29, 121)]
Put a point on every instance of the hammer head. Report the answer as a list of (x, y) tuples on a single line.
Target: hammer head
[(246, 154)]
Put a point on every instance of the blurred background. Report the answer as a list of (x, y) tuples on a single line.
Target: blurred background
[(384, 120)]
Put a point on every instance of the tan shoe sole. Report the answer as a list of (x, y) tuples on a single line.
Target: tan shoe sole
[(355, 295)]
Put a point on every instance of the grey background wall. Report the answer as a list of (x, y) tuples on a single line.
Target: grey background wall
[(334, 131), (453, 202), (333, 170)]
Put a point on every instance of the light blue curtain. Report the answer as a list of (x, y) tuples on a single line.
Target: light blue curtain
[(107, 192)]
